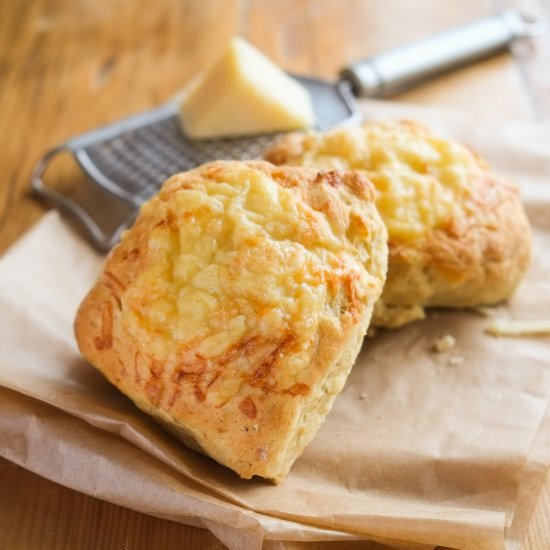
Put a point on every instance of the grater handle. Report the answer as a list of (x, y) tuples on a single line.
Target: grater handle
[(399, 69), (100, 239)]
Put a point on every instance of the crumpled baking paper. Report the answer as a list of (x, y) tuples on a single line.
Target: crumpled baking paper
[(421, 448)]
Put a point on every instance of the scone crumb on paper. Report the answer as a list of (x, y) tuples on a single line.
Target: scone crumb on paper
[(514, 327), (372, 331), (443, 344)]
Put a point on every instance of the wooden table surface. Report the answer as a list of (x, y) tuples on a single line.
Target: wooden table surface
[(68, 66)]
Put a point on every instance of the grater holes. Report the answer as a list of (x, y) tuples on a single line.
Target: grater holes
[(139, 161)]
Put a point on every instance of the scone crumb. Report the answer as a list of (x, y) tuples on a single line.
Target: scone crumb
[(514, 327), (456, 360), (372, 331), (443, 344)]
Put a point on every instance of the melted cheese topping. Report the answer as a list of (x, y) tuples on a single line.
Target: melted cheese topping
[(240, 270), (423, 181)]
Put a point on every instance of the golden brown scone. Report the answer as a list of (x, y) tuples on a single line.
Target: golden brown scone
[(234, 308), (458, 234)]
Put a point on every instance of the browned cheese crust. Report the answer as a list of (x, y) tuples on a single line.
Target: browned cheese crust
[(458, 233), (234, 308)]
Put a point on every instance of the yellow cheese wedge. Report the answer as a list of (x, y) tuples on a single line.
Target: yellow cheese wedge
[(244, 93)]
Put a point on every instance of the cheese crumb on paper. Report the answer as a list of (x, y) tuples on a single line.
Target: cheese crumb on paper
[(511, 327)]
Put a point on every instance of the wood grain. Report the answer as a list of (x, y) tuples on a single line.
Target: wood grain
[(67, 66), (70, 520), (70, 66)]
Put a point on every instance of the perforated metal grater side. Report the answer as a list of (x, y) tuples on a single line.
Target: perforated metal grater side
[(132, 158), (135, 163)]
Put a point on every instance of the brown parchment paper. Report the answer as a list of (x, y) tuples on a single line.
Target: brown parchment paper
[(417, 451)]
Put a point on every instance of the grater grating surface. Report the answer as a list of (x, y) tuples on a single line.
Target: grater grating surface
[(139, 154), (133, 157), (138, 161)]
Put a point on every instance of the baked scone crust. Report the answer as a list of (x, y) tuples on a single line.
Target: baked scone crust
[(458, 233), (234, 308)]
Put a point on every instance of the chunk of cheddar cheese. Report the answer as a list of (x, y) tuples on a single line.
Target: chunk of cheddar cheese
[(244, 93)]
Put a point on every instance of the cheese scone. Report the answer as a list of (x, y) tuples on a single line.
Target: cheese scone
[(458, 234), (234, 308)]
